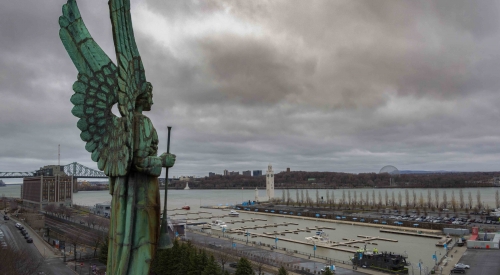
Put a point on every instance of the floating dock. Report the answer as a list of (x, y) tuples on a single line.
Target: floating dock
[(410, 233)]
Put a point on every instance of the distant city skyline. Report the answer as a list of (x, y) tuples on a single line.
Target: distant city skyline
[(338, 86)]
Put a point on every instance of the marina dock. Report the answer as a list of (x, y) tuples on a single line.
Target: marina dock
[(416, 234)]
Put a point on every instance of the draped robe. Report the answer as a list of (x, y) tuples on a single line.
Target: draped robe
[(135, 206)]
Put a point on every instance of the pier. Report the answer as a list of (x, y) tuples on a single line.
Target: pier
[(416, 234)]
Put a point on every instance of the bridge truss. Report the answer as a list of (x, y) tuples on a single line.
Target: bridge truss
[(74, 169)]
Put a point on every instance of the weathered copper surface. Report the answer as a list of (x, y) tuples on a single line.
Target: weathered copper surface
[(125, 148)]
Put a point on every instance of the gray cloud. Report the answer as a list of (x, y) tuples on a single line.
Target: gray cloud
[(312, 85)]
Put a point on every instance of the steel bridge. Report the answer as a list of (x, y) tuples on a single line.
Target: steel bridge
[(74, 169)]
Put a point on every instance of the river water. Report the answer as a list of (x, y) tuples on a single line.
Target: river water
[(417, 248)]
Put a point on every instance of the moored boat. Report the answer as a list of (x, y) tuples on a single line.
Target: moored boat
[(186, 207), (219, 225), (386, 261), (320, 238), (233, 213)]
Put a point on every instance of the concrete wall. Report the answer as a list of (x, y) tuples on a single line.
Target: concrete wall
[(456, 231), (493, 241)]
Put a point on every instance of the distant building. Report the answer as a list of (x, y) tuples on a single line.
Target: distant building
[(226, 173), (288, 169), (247, 173), (103, 209), (52, 171), (257, 173), (233, 173), (37, 192), (270, 182), (210, 174)]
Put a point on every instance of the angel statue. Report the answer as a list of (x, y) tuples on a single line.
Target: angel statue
[(125, 147)]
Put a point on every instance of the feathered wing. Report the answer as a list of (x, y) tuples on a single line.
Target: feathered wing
[(131, 75), (107, 136)]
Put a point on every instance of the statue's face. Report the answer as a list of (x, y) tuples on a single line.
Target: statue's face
[(145, 101), (148, 102)]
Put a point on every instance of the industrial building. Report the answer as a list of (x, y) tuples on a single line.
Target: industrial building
[(37, 192)]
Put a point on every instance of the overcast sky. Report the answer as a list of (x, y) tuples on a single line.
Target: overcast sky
[(346, 86)]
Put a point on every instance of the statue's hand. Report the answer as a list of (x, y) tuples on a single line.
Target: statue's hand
[(167, 160)]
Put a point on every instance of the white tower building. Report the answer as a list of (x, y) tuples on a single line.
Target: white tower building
[(270, 182)]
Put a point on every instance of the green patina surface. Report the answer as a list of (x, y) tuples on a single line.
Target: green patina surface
[(124, 147)]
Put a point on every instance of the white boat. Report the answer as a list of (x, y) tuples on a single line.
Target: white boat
[(320, 238), (233, 213), (219, 225)]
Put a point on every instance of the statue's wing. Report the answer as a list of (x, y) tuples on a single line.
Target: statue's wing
[(131, 75), (95, 94)]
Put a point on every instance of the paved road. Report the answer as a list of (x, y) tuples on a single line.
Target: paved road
[(13, 238), (255, 251)]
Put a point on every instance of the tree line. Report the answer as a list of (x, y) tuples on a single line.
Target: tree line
[(376, 198), (304, 179)]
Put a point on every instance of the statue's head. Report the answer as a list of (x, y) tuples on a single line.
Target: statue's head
[(145, 100)]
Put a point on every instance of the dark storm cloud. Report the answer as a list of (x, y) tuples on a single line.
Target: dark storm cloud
[(312, 85)]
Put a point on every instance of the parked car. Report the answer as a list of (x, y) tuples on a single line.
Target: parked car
[(6, 218), (30, 240), (458, 270), (233, 265), (18, 225), (463, 266)]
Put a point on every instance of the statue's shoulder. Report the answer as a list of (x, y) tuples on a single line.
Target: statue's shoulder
[(144, 123)]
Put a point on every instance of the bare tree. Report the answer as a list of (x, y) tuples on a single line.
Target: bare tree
[(297, 196), (386, 198), (96, 239), (445, 200), (393, 199), (497, 199), (380, 199), (407, 198), (223, 255), (302, 196), (328, 198), (461, 197), (429, 199), (104, 224), (367, 199), (50, 208), (421, 202), (373, 197), (355, 201), (13, 205), (349, 196), (317, 197), (68, 213), (436, 196), (288, 197), (414, 198), (470, 200), (283, 196), (308, 199), (332, 202), (343, 198), (90, 220), (19, 262), (478, 197), (453, 201)]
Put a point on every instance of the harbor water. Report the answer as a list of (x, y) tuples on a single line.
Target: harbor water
[(417, 248)]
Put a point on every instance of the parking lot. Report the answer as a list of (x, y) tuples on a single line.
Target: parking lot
[(481, 261)]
